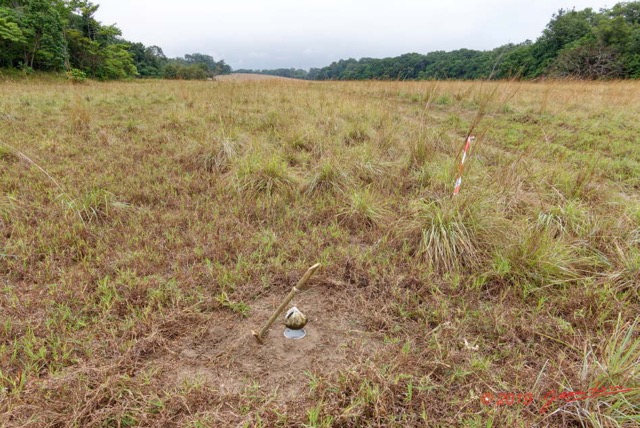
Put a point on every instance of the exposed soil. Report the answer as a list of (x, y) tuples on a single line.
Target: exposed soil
[(225, 354)]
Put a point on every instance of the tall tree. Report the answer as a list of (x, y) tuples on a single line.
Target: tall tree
[(42, 25), (149, 61), (12, 38)]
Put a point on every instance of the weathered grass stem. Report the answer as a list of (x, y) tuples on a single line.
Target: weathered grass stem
[(300, 286)]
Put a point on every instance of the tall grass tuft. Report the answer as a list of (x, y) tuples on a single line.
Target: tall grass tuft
[(426, 144), (215, 157), (96, 205), (364, 209), (625, 278), (327, 177), (447, 234), (613, 364), (7, 155), (568, 219), (80, 119), (536, 258), (357, 133), (256, 175), (6, 207), (420, 152)]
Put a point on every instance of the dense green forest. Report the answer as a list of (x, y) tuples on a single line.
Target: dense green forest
[(576, 44), (63, 35)]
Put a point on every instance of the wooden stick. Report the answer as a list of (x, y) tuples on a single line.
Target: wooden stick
[(300, 286)]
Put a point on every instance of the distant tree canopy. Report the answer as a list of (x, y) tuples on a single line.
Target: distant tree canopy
[(282, 72), (577, 44), (459, 64), (195, 66), (63, 35)]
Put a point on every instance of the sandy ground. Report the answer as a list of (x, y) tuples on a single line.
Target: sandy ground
[(225, 355)]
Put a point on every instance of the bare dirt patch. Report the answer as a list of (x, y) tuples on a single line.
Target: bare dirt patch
[(224, 354)]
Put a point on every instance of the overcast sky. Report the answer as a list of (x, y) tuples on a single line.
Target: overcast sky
[(262, 34)]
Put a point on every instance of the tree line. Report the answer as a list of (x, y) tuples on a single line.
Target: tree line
[(64, 35), (292, 73), (575, 44)]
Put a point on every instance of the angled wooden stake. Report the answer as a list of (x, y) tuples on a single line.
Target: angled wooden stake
[(300, 286)]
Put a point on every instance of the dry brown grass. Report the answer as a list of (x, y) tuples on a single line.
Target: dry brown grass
[(169, 218)]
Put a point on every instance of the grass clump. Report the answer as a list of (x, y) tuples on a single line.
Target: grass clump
[(212, 158), (433, 176), (537, 259), (425, 146), (327, 177), (7, 155), (567, 219), (257, 175), (96, 205), (611, 366), (420, 153), (7, 206), (364, 209), (625, 277), (357, 133), (238, 307), (80, 119), (446, 235), (372, 171)]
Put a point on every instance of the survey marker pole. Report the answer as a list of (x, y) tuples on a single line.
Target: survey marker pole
[(300, 286)]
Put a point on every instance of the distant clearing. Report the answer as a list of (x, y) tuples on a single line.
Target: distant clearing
[(250, 77)]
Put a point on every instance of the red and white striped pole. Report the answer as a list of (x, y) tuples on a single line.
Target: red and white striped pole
[(465, 153)]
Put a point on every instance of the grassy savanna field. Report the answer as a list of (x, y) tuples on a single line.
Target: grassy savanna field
[(147, 227)]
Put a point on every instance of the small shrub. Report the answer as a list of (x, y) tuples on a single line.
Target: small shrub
[(76, 76)]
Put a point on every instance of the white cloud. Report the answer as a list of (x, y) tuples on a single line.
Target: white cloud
[(290, 33)]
